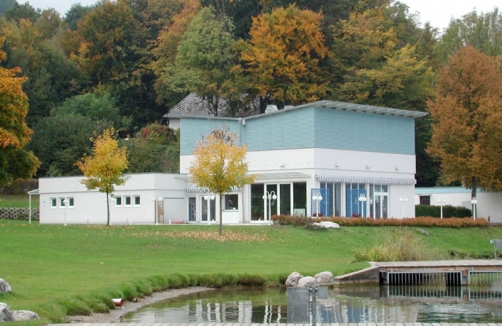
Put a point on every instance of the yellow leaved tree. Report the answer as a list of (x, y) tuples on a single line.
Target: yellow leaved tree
[(467, 121), (104, 168), (219, 164)]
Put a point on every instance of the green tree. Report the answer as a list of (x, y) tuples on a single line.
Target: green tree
[(467, 121), (155, 148), (23, 11), (283, 56), (5, 5), (203, 59), (104, 168), (15, 161), (219, 164), (482, 31), (60, 140)]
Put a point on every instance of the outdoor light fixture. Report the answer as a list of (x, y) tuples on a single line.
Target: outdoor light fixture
[(474, 203), (404, 200), (270, 196), (362, 199), (64, 203), (317, 199), (441, 202)]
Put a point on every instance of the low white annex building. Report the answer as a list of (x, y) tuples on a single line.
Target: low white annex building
[(323, 158)]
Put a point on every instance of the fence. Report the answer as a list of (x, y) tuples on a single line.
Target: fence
[(19, 213)]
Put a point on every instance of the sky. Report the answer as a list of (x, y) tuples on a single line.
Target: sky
[(437, 12)]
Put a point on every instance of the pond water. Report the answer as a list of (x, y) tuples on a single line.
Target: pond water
[(395, 304)]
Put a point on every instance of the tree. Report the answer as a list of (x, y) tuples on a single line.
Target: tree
[(219, 164), (467, 121), (104, 169), (15, 161), (204, 58), (284, 53), (60, 140)]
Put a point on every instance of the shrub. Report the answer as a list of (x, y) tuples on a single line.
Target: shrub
[(357, 221), (76, 307), (448, 211), (404, 245)]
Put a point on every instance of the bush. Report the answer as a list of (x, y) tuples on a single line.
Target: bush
[(404, 245), (448, 211), (358, 221)]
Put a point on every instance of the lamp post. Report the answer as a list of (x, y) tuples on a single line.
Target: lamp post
[(441, 202), (474, 203), (317, 198), (269, 195), (362, 199), (209, 197), (403, 199)]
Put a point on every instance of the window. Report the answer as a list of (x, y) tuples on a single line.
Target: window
[(231, 202), (118, 201), (127, 200), (425, 200), (137, 200), (62, 202), (70, 202), (54, 202)]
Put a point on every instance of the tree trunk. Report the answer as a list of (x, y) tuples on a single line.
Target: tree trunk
[(107, 209), (221, 214)]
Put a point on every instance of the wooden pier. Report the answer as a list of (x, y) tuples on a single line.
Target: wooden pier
[(449, 272)]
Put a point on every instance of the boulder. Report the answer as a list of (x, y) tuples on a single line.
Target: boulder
[(20, 315), (293, 279), (307, 282), (324, 278), (4, 286), (5, 313), (326, 225)]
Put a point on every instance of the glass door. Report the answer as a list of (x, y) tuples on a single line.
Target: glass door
[(284, 198)]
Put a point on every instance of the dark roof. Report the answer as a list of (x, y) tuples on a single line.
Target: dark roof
[(194, 106)]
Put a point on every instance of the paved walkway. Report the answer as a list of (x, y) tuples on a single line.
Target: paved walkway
[(249, 324)]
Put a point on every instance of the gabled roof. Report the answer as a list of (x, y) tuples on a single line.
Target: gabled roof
[(194, 106)]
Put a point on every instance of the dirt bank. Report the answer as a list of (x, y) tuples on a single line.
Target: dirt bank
[(115, 315)]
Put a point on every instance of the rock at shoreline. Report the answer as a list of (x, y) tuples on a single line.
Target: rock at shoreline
[(17, 315), (324, 278), (4, 286), (307, 282), (293, 279)]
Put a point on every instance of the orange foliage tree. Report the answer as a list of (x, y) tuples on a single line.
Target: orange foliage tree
[(104, 169), (283, 55), (15, 161), (467, 120), (219, 164)]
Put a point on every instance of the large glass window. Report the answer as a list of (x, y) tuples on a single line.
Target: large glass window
[(257, 207), (231, 202), (354, 207), (300, 198), (335, 200), (379, 201), (285, 199)]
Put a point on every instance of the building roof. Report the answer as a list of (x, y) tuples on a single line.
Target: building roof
[(193, 107)]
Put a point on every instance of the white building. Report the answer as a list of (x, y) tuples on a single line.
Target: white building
[(487, 204), (329, 158)]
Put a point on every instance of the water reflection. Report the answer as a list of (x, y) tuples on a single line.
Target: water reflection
[(396, 304)]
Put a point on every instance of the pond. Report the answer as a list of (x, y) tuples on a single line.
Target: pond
[(374, 304)]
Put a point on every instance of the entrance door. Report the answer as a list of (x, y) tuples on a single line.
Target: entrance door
[(380, 203)]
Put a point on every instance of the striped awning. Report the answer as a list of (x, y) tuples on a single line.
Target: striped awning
[(369, 180)]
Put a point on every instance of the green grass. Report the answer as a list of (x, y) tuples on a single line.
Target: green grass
[(18, 201), (56, 270)]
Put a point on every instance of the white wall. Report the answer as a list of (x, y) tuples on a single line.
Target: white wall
[(90, 205)]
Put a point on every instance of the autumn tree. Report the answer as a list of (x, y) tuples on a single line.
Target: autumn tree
[(104, 169), (283, 55), (15, 161), (467, 121), (219, 164)]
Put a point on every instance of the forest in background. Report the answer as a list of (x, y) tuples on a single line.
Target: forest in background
[(125, 63)]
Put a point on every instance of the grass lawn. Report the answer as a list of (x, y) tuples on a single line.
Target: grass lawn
[(18, 201), (47, 264)]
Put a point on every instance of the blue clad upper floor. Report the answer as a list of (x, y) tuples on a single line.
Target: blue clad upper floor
[(350, 127)]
